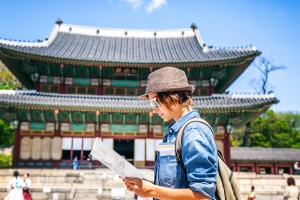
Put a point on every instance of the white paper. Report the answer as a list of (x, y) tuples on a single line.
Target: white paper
[(114, 161)]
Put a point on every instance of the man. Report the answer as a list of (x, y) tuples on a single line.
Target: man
[(170, 96)]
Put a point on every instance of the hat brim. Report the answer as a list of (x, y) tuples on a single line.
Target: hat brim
[(145, 96)]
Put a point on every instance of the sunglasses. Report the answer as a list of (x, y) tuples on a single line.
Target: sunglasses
[(153, 103)]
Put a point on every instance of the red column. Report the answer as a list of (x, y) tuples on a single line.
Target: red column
[(37, 86), (97, 133), (227, 149), (71, 152), (57, 133), (212, 90), (16, 149), (211, 86), (62, 89), (100, 90)]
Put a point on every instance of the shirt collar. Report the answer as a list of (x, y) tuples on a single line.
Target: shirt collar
[(177, 125)]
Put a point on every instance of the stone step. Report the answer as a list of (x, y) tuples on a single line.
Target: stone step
[(85, 194)]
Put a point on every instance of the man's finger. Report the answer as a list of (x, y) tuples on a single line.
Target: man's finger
[(134, 181)]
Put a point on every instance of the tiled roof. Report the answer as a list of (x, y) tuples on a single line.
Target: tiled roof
[(220, 102), (264, 154), (126, 46)]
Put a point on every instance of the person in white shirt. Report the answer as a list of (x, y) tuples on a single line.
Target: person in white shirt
[(15, 188), (291, 191), (296, 168), (296, 165), (26, 189)]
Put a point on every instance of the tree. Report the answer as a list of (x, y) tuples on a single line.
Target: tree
[(272, 130), (261, 85), (265, 66), (7, 79), (6, 135)]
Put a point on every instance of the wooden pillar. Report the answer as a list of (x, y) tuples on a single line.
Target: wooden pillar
[(62, 89), (100, 90), (71, 152), (256, 169), (37, 86), (100, 85), (16, 148), (150, 128), (98, 125), (227, 149), (211, 87), (275, 168), (97, 133)]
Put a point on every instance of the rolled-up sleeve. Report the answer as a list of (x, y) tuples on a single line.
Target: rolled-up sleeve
[(200, 158)]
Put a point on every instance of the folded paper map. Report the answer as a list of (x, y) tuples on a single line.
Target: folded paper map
[(114, 161)]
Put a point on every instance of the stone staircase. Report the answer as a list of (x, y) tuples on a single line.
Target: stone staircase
[(267, 186), (62, 184)]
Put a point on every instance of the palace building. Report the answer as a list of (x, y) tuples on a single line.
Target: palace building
[(83, 81)]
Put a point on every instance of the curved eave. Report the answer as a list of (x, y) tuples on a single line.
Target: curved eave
[(220, 103), (241, 67), (23, 56), (89, 45)]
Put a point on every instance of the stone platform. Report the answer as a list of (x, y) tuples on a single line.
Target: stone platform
[(64, 184)]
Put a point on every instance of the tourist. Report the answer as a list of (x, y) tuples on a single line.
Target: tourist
[(170, 96), (252, 194), (75, 163), (26, 189), (90, 161), (296, 168), (291, 191), (15, 187)]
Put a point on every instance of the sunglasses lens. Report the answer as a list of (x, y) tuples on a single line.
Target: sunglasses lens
[(153, 103)]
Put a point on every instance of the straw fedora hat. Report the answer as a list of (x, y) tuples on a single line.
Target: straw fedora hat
[(165, 80)]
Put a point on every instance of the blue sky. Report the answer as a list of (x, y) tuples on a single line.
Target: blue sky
[(270, 25)]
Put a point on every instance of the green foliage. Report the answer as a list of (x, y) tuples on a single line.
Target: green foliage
[(5, 161), (271, 130), (7, 80), (6, 135), (236, 138)]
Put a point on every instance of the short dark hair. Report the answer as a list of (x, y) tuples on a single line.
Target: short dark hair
[(291, 181), (16, 174), (183, 98)]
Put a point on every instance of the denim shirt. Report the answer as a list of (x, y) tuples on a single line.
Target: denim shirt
[(199, 156)]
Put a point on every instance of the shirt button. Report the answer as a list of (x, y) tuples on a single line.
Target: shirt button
[(168, 158)]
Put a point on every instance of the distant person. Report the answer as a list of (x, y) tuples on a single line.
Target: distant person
[(291, 191), (15, 187), (75, 163), (26, 189), (296, 168), (90, 161), (252, 194)]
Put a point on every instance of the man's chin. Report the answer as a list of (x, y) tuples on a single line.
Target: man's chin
[(166, 120)]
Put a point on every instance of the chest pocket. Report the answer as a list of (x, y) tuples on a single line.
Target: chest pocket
[(169, 171)]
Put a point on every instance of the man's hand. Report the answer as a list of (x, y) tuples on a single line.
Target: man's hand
[(141, 187)]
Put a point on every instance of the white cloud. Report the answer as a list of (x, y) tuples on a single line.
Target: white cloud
[(155, 4), (135, 3)]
